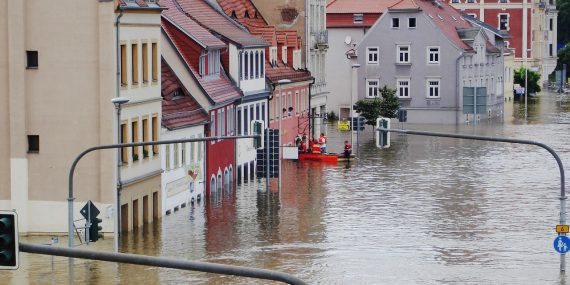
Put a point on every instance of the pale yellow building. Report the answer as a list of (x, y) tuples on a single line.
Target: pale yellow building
[(58, 74)]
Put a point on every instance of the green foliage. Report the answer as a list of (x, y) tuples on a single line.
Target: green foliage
[(563, 7), (386, 106), (331, 116), (533, 79), (563, 58)]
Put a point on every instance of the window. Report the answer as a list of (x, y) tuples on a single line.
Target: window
[(124, 150), (154, 59), (167, 156), (145, 62), (471, 1), (155, 133), (504, 22), (372, 55), (284, 54), (213, 126), (403, 54), (32, 56), (357, 18), (503, 1), (183, 152), (135, 63), (403, 88), (175, 156), (433, 55), (200, 149), (472, 15), (239, 121), (145, 137), (33, 143), (135, 139), (297, 103), (246, 65), (251, 65), (193, 150), (455, 1), (395, 23), (551, 24), (257, 69), (550, 50), (411, 23), (433, 88), (263, 112), (124, 65), (273, 56), (261, 65), (289, 104), (372, 88), (245, 121)]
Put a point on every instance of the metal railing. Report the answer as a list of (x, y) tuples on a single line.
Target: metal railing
[(162, 262)]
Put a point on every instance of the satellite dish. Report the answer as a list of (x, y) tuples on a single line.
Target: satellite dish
[(347, 40)]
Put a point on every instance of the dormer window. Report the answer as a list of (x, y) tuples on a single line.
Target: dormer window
[(273, 56), (210, 63), (177, 93), (284, 54)]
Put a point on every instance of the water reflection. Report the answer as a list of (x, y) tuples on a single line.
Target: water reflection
[(426, 210)]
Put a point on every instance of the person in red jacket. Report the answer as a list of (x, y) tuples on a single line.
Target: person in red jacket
[(347, 149)]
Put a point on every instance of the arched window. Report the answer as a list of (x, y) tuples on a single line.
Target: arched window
[(231, 175), (256, 64), (246, 66), (251, 65), (219, 183), (240, 73), (226, 180), (213, 185), (261, 64)]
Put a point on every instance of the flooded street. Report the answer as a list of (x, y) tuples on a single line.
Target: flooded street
[(425, 211)]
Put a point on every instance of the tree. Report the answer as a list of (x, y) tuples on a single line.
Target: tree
[(563, 7), (533, 79), (386, 106), (563, 57)]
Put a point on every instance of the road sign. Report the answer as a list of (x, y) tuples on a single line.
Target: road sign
[(562, 244), (89, 207), (562, 229)]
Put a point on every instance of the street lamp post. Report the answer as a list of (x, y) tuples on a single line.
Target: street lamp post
[(526, 83), (282, 81), (353, 86), (118, 102)]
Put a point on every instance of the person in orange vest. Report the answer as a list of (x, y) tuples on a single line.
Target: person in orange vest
[(347, 149), (323, 143), (314, 146)]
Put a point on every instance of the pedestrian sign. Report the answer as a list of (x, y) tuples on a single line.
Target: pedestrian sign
[(562, 244), (562, 229)]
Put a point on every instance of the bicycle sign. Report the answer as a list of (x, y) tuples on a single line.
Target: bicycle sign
[(562, 244)]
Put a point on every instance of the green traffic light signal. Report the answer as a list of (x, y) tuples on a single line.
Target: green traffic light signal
[(8, 240)]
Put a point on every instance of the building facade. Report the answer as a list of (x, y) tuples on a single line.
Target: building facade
[(432, 55), (532, 25), (56, 108)]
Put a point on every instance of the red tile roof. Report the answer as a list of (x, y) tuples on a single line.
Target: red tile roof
[(213, 20), (358, 6), (220, 89), (177, 17), (447, 19), (138, 4), (180, 111), (404, 5), (258, 26)]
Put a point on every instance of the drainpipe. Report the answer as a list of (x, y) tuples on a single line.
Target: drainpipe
[(457, 85), (119, 182), (310, 108)]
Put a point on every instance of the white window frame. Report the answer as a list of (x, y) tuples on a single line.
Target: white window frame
[(369, 52), (376, 91), (392, 23), (399, 52), (435, 53), (415, 24), (357, 18), (429, 88), (499, 21), (406, 86)]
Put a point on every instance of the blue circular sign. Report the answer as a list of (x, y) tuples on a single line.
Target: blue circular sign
[(562, 244)]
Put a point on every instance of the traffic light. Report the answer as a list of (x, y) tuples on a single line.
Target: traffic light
[(382, 137), (8, 240), (257, 127), (95, 230)]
